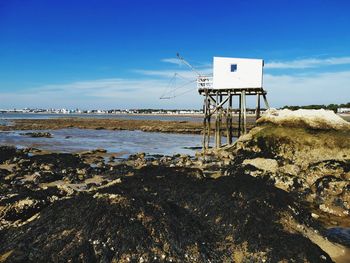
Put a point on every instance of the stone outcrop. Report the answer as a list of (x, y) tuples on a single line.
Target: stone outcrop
[(313, 119), (310, 157)]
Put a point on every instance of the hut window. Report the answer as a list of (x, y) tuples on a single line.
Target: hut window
[(233, 67)]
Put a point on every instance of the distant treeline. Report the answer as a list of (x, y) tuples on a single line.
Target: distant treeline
[(332, 107)]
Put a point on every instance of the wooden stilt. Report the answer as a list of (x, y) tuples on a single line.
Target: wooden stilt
[(265, 100), (229, 120), (216, 121), (205, 107), (258, 107), (240, 115), (208, 123), (244, 112), (220, 110)]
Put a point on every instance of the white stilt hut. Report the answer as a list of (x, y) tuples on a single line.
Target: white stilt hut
[(239, 77)]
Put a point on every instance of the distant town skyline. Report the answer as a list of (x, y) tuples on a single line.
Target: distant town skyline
[(122, 54)]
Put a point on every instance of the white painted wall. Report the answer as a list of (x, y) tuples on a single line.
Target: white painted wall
[(249, 73)]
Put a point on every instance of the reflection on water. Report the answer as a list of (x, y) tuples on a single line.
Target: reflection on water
[(124, 142)]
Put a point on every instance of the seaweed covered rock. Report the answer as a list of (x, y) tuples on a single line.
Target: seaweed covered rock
[(163, 214), (37, 134), (8, 152)]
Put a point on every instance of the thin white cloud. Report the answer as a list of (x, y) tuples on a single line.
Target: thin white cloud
[(323, 88), (175, 61), (188, 74), (168, 73), (307, 63), (289, 64), (100, 93), (114, 86)]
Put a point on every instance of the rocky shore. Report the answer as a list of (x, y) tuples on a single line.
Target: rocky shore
[(64, 207), (270, 197)]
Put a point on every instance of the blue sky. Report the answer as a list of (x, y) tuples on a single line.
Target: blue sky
[(119, 54)]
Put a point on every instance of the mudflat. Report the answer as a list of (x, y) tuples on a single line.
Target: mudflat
[(112, 124)]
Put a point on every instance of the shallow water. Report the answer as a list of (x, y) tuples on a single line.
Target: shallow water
[(122, 142), (340, 235)]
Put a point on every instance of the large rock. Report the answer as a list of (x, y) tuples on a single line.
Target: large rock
[(314, 119), (308, 155)]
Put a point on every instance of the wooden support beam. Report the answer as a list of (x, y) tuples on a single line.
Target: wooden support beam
[(216, 121), (239, 115), (265, 100), (229, 119), (205, 109), (220, 111), (258, 107), (219, 106), (244, 101), (212, 99), (209, 126)]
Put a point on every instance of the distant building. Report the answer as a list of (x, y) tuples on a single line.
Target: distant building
[(343, 110)]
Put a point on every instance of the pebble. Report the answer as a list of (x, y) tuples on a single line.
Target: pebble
[(315, 215)]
